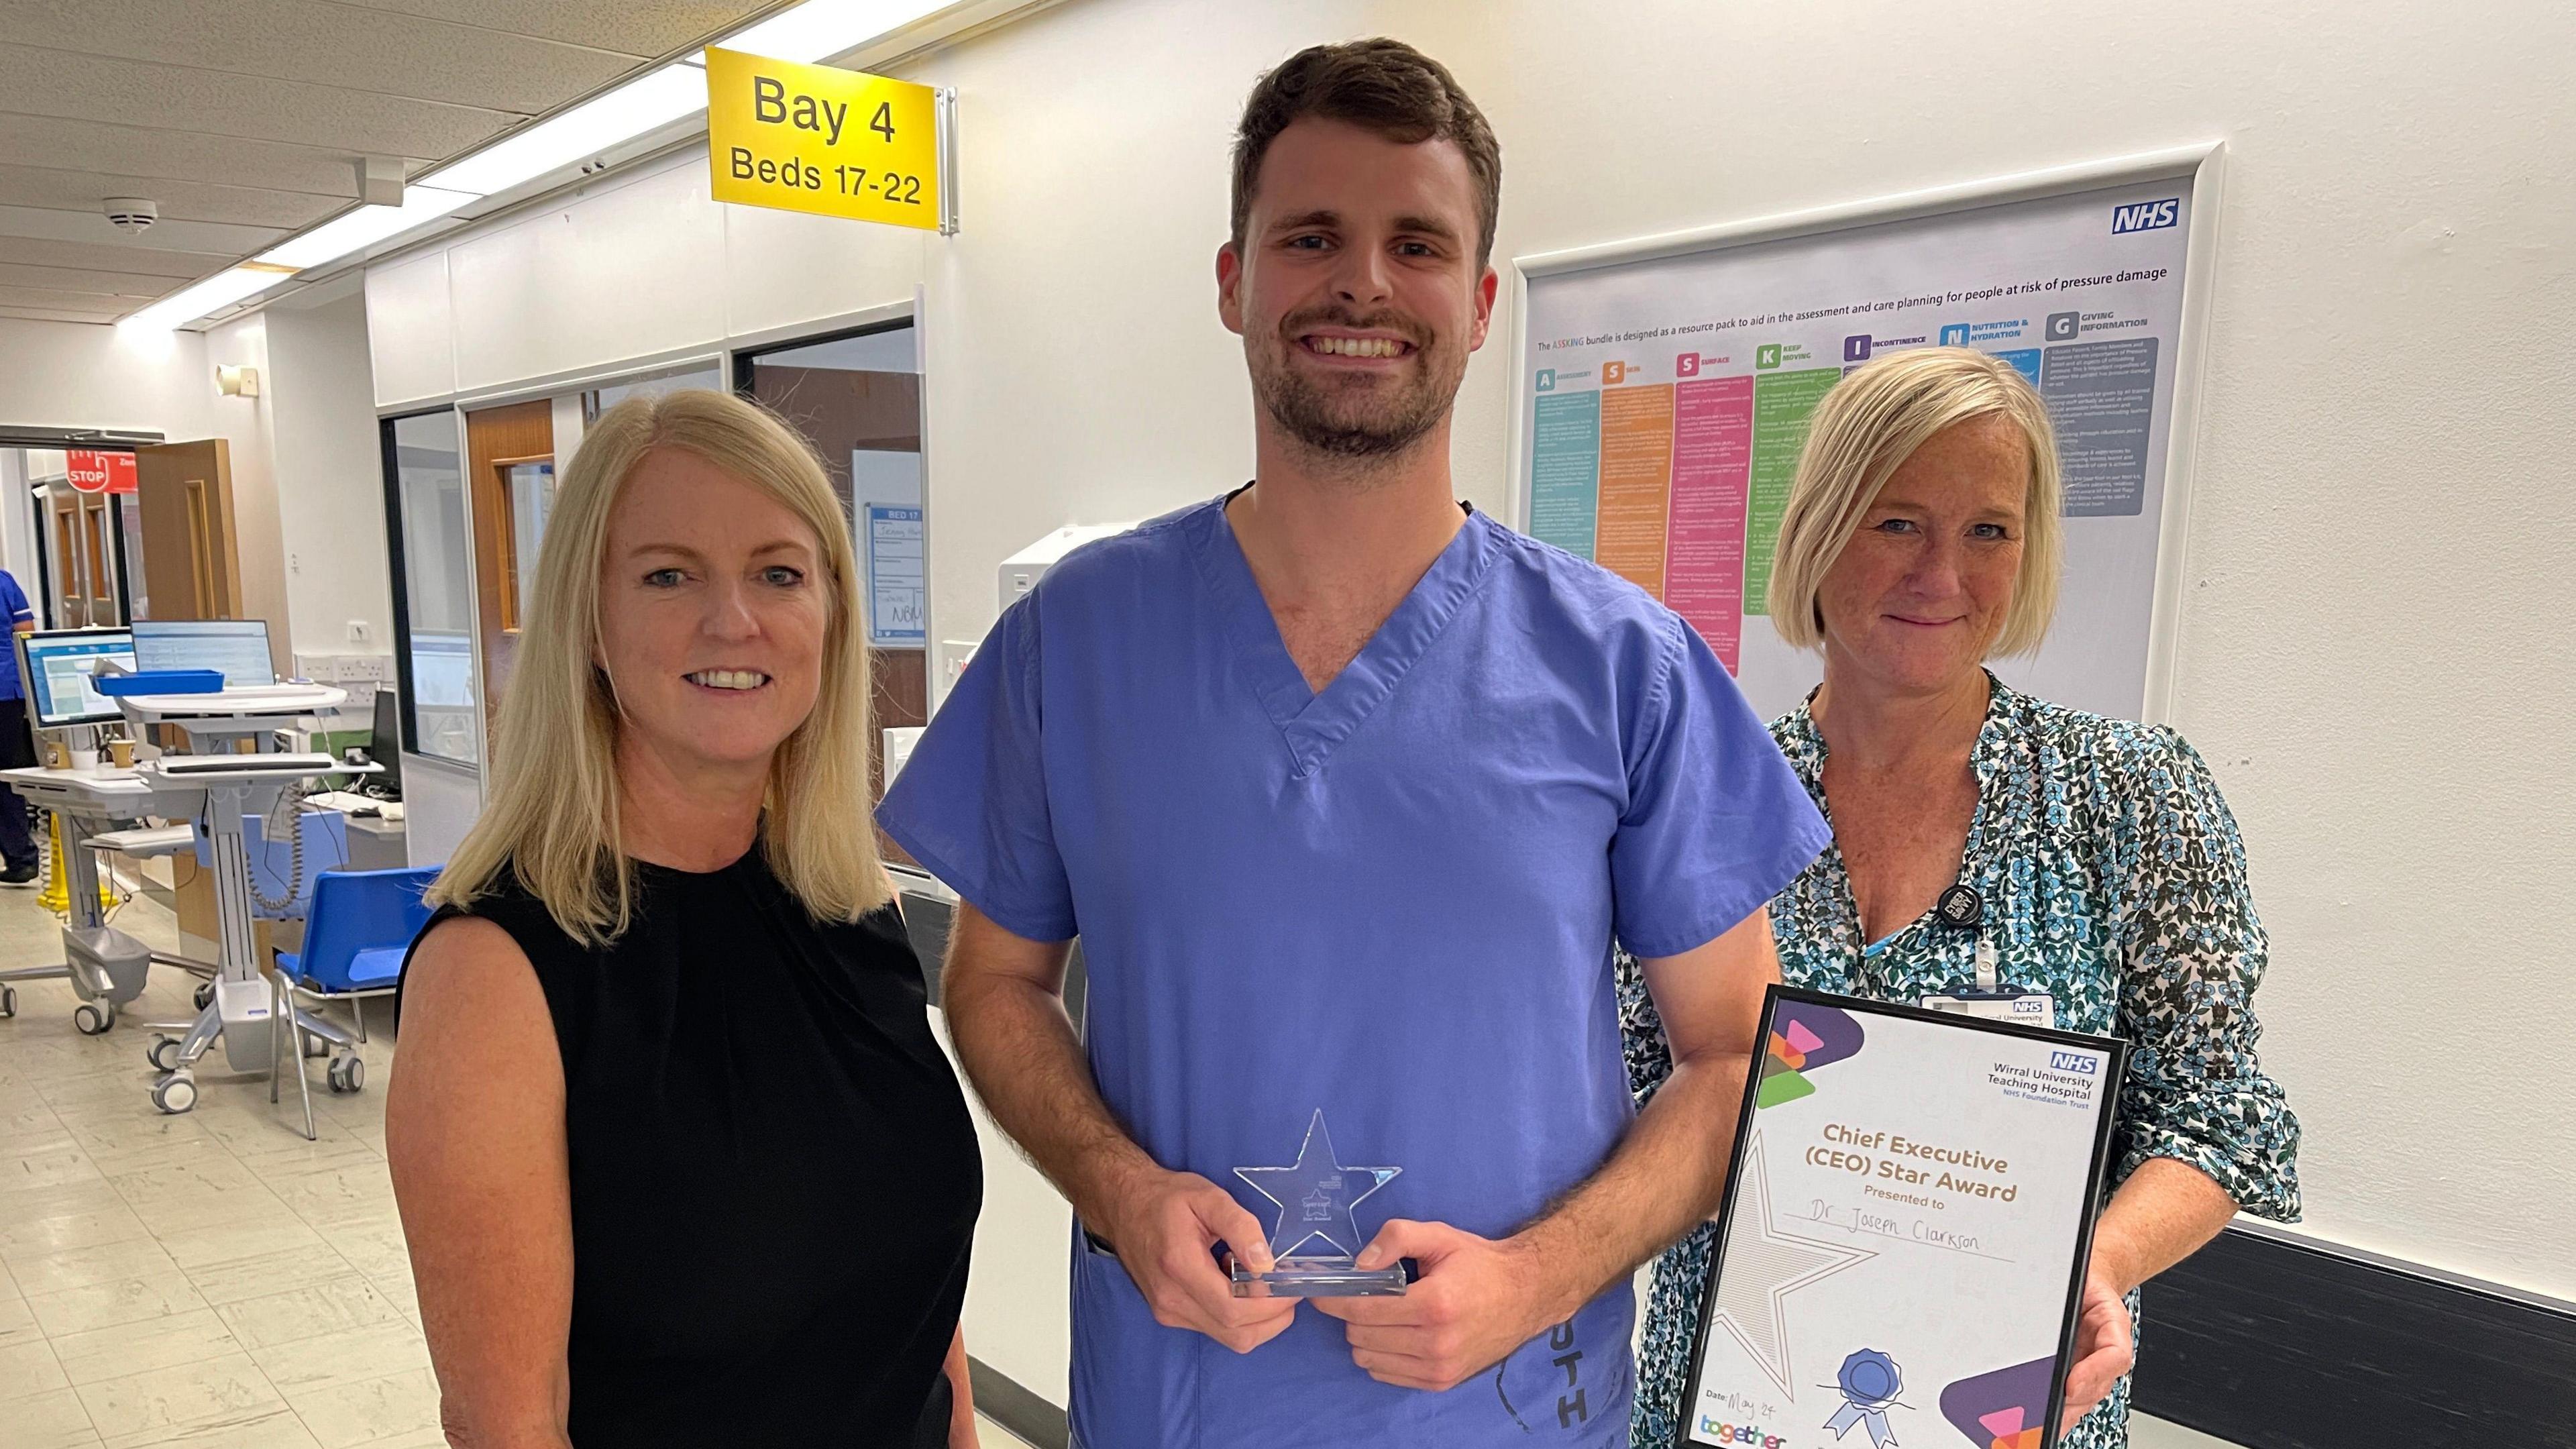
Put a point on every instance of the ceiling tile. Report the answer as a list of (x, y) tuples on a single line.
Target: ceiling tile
[(75, 279), (304, 40), (639, 27), (137, 151), (169, 236), (66, 301), (58, 83), (120, 256), (57, 314), (178, 200)]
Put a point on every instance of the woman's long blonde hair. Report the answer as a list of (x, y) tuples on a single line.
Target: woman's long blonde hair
[(552, 820)]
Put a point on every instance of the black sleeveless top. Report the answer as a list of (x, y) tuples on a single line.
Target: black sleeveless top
[(774, 1176)]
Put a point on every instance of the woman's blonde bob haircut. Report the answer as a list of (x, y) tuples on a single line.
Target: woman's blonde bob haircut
[(1864, 430), (553, 821)]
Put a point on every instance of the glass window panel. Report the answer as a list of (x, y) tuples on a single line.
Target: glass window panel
[(429, 481), (600, 400), (532, 502), (857, 399)]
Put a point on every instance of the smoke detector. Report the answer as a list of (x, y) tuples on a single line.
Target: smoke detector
[(132, 213)]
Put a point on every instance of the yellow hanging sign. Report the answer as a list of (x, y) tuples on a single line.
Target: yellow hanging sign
[(832, 142)]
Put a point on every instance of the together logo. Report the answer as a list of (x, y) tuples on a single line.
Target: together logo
[(2145, 215), (2084, 1062), (1711, 1429)]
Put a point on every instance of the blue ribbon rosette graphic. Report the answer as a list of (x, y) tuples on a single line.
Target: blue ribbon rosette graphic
[(1870, 1381)]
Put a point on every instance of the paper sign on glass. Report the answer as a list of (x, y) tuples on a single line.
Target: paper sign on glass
[(1901, 1250)]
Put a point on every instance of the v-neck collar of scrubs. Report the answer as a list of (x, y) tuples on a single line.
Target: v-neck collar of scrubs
[(1987, 758), (1312, 723)]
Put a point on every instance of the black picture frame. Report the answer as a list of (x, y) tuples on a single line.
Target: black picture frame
[(2115, 1050)]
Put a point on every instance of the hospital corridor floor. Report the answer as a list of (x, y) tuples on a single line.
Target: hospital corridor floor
[(209, 1280)]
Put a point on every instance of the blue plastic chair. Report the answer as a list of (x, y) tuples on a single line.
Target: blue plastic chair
[(360, 925)]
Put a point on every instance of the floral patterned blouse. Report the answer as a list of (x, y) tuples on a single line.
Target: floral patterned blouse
[(2113, 878)]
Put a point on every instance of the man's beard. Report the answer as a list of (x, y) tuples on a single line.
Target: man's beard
[(1357, 425)]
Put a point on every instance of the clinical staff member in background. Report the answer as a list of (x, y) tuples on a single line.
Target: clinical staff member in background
[(1345, 787), (1922, 538), (679, 1160), (17, 744)]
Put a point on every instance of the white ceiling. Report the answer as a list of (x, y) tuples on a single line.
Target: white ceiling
[(245, 120)]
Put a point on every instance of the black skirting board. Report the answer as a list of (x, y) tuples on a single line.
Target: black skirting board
[(2276, 1345)]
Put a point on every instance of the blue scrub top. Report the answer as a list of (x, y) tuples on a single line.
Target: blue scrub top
[(13, 603), (1393, 901)]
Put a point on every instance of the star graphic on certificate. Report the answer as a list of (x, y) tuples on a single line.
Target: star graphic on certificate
[(1763, 1265), (1316, 1195)]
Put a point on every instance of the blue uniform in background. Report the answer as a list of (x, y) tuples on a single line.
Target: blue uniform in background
[(17, 747), (1393, 901)]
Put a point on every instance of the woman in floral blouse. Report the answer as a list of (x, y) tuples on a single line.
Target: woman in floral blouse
[(1921, 539)]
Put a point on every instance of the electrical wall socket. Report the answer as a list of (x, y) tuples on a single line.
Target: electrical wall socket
[(953, 657)]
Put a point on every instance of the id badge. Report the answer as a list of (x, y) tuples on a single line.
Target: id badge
[(2025, 1008)]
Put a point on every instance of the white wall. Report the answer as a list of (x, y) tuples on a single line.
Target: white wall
[(249, 423), (2374, 650), (329, 474), (80, 374), (2374, 653), (18, 546), (632, 266), (306, 472)]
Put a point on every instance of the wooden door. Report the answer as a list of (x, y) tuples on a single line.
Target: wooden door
[(191, 554), (63, 557), (503, 444), (98, 542)]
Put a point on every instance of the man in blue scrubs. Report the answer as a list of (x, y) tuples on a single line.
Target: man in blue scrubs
[(17, 744), (1347, 789)]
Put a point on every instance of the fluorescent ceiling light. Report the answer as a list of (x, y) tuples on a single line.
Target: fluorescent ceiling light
[(363, 228), (814, 31), (213, 294), (580, 133), (820, 29)]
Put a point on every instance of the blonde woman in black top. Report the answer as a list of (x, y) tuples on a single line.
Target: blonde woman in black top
[(679, 1160)]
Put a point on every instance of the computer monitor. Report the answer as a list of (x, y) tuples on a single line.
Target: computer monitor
[(57, 665), (384, 746), (235, 648)]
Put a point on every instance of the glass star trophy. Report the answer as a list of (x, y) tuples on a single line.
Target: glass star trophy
[(1317, 1241)]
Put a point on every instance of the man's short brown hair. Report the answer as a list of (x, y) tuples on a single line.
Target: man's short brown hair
[(1381, 85)]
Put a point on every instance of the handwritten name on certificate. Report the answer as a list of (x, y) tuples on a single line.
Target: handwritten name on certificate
[(1902, 1245)]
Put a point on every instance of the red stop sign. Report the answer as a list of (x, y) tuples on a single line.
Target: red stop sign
[(96, 472)]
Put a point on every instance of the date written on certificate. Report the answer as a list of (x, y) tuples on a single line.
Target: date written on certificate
[(815, 139)]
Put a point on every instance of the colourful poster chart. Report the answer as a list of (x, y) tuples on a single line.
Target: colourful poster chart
[(1669, 400)]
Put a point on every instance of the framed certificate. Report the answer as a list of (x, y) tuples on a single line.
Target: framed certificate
[(1901, 1249)]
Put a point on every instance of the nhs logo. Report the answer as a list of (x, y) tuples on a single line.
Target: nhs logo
[(2145, 215), (2084, 1062)]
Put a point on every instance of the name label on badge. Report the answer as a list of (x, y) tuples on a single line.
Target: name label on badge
[(2036, 1008)]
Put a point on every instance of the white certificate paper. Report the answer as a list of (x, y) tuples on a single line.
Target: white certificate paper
[(1901, 1249)]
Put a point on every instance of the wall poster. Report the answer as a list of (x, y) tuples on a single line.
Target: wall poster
[(1665, 400)]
